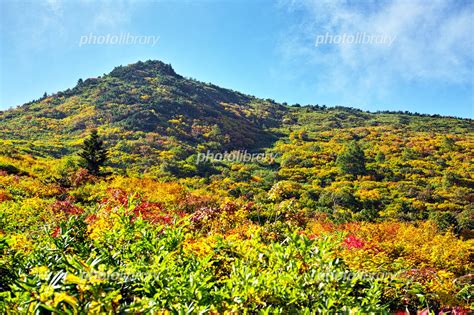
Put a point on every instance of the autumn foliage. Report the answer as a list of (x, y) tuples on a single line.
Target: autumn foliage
[(358, 213)]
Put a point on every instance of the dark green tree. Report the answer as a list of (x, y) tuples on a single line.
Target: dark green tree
[(93, 153), (445, 220), (352, 160)]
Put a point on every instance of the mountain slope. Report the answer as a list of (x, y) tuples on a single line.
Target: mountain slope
[(150, 116), (147, 97)]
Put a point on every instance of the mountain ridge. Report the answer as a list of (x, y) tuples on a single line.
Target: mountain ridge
[(145, 96), (147, 109)]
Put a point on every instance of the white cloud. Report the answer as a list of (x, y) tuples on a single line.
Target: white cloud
[(109, 15), (56, 6), (52, 23), (434, 43)]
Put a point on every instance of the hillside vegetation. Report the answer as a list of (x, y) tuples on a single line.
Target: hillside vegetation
[(348, 211)]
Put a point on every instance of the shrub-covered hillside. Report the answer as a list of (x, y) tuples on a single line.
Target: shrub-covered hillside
[(348, 211), (143, 109)]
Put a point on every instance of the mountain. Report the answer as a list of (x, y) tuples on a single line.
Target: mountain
[(146, 109), (145, 106)]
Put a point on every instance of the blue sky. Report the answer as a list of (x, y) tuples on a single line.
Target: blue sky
[(264, 48)]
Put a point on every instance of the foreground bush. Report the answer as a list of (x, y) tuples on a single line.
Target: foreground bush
[(138, 266)]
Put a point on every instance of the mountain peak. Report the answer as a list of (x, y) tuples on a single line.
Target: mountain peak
[(140, 70)]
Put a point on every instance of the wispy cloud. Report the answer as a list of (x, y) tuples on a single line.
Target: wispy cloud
[(56, 7), (110, 15), (49, 24), (433, 43)]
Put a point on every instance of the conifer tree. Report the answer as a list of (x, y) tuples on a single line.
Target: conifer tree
[(93, 153), (352, 160)]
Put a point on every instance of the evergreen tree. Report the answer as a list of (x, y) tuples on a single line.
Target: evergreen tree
[(93, 154), (352, 160)]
